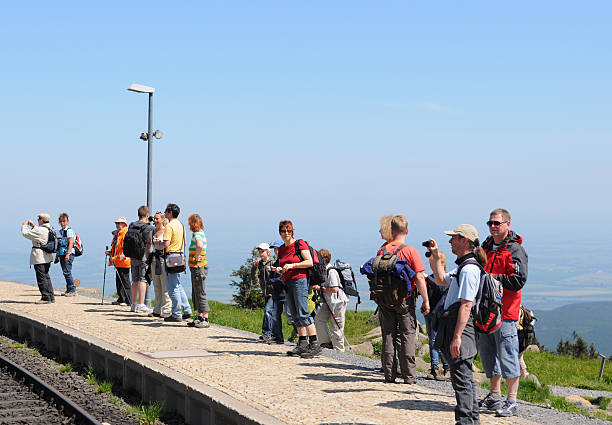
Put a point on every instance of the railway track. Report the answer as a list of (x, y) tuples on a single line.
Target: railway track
[(26, 399)]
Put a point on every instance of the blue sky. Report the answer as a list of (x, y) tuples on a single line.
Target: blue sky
[(331, 114)]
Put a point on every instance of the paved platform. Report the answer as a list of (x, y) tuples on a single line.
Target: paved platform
[(258, 382)]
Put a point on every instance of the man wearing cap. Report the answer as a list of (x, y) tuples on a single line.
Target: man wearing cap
[(39, 235), (121, 262), (499, 352), (456, 337), (271, 328)]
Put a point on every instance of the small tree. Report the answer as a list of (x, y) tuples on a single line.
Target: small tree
[(248, 292), (579, 348)]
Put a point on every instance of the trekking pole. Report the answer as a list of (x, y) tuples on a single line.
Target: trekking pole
[(104, 281), (336, 322)]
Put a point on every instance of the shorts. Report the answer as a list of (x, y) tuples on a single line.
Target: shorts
[(499, 351), (139, 269)]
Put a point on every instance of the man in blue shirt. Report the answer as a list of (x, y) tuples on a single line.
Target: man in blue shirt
[(66, 254), (456, 335)]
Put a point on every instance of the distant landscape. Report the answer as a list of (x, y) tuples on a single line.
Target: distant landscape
[(591, 320)]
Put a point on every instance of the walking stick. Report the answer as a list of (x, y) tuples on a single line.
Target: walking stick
[(104, 282)]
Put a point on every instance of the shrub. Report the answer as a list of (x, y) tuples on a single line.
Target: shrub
[(248, 292)]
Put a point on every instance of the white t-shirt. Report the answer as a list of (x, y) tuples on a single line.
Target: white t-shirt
[(463, 288), (338, 300)]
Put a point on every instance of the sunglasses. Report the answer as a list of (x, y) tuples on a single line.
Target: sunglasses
[(495, 223), (285, 231)]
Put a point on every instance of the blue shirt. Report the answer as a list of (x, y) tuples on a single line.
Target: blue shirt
[(464, 288), (67, 233)]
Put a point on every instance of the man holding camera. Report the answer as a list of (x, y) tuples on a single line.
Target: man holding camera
[(39, 235), (456, 337), (499, 352)]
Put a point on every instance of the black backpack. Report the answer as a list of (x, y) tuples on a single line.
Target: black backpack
[(526, 328), (347, 279), (134, 243), (317, 273), (53, 242), (387, 289), (487, 306)]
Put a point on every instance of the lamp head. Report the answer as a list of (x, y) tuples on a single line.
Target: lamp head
[(139, 88)]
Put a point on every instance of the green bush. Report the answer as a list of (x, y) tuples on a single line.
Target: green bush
[(248, 292)]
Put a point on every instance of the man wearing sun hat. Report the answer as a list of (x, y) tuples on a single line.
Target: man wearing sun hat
[(41, 260), (456, 337), (271, 328), (121, 262)]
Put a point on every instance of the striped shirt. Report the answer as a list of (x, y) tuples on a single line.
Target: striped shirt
[(199, 235)]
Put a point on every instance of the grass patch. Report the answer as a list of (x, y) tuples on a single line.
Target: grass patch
[(18, 345), (91, 376), (604, 403), (555, 369), (35, 351), (105, 387), (66, 368), (250, 320), (150, 414)]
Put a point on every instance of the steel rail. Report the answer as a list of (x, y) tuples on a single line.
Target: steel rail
[(70, 408)]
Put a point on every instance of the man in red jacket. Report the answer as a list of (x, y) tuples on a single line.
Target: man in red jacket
[(507, 262)]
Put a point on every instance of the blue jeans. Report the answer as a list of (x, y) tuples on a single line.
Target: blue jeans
[(67, 270), (273, 313), (297, 301), (433, 353), (177, 295)]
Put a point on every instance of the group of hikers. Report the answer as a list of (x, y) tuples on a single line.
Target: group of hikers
[(487, 275)]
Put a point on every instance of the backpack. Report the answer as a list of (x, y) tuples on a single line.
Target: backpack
[(134, 242), (386, 288), (347, 279), (526, 328), (487, 307), (52, 245), (316, 274), (78, 245)]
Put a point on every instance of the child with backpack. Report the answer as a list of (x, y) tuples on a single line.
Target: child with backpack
[(332, 308), (66, 254)]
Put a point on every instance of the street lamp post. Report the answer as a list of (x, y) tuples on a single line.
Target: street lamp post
[(148, 137)]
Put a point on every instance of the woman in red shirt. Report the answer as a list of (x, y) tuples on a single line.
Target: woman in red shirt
[(294, 274)]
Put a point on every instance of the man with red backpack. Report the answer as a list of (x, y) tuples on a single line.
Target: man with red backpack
[(499, 351)]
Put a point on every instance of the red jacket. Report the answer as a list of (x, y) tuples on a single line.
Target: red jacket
[(508, 263)]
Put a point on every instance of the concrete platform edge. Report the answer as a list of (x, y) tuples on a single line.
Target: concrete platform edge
[(198, 403)]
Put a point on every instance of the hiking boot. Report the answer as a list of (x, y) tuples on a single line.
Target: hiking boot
[(301, 347), (68, 294), (41, 301), (433, 373), (490, 403), (266, 339), (327, 345), (314, 349), (443, 374), (409, 381), (279, 341), (202, 323), (187, 316), (116, 302), (154, 314), (509, 408), (173, 319)]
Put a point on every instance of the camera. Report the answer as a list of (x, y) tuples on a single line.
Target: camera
[(427, 244), (150, 219)]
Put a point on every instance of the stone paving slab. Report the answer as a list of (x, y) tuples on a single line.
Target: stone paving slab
[(294, 390)]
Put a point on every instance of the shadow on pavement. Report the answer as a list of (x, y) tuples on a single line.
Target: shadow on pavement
[(428, 405)]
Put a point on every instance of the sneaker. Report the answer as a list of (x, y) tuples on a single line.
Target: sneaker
[(509, 408), (187, 316), (266, 339), (116, 302), (133, 307), (261, 337), (173, 319), (202, 323), (123, 304), (41, 301), (301, 347), (314, 349), (490, 403), (70, 294), (141, 308), (152, 314), (433, 373), (409, 381), (279, 341)]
